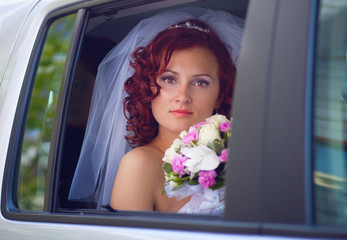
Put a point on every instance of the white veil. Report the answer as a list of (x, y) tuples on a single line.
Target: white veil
[(104, 143)]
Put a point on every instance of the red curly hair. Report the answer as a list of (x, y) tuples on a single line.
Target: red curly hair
[(151, 61)]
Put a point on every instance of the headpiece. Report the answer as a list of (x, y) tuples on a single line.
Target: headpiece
[(189, 25)]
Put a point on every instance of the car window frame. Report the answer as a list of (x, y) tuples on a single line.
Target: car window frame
[(62, 106), (260, 206), (12, 161), (267, 159)]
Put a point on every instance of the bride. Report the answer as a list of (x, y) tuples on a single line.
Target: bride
[(182, 70)]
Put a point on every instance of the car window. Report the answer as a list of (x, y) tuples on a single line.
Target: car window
[(330, 115), (41, 113), (57, 110), (98, 39)]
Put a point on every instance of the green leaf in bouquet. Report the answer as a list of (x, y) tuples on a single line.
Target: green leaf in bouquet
[(178, 149), (167, 167), (217, 185), (226, 139), (193, 182), (217, 145), (177, 187), (220, 177), (179, 180), (195, 177)]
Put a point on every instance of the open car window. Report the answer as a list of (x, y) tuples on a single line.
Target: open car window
[(105, 29), (60, 92)]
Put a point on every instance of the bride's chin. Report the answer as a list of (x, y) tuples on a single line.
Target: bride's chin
[(177, 128), (183, 128)]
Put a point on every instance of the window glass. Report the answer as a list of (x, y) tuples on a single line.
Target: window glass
[(330, 115), (38, 129)]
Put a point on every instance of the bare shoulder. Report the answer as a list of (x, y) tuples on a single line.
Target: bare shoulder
[(141, 161), (142, 155), (137, 179)]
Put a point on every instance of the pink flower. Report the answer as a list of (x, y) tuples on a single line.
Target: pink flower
[(177, 164), (224, 155), (196, 126), (225, 126), (190, 137), (207, 178)]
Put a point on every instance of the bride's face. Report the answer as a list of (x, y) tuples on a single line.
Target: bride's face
[(189, 90)]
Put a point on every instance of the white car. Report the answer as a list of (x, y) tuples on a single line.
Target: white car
[(288, 174)]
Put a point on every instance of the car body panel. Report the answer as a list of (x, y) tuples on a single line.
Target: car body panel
[(16, 66), (14, 12)]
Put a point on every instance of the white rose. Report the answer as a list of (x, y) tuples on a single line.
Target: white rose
[(183, 134), (208, 133), (170, 153), (192, 129), (173, 185), (201, 158), (217, 119)]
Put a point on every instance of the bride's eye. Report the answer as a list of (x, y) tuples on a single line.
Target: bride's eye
[(168, 80), (201, 83)]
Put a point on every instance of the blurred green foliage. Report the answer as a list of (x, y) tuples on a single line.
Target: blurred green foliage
[(38, 131)]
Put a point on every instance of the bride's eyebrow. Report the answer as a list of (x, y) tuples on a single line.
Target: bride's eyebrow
[(203, 75), (195, 75), (170, 71)]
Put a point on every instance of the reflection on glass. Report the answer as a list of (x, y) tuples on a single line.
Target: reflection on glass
[(38, 130), (330, 115)]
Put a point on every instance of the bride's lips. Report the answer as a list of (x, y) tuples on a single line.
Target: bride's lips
[(181, 112)]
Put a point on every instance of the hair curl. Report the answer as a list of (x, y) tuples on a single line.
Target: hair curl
[(151, 61)]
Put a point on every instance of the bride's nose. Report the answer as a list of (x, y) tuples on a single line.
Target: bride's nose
[(183, 94)]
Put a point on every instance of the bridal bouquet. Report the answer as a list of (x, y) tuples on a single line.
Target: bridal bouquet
[(199, 156)]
